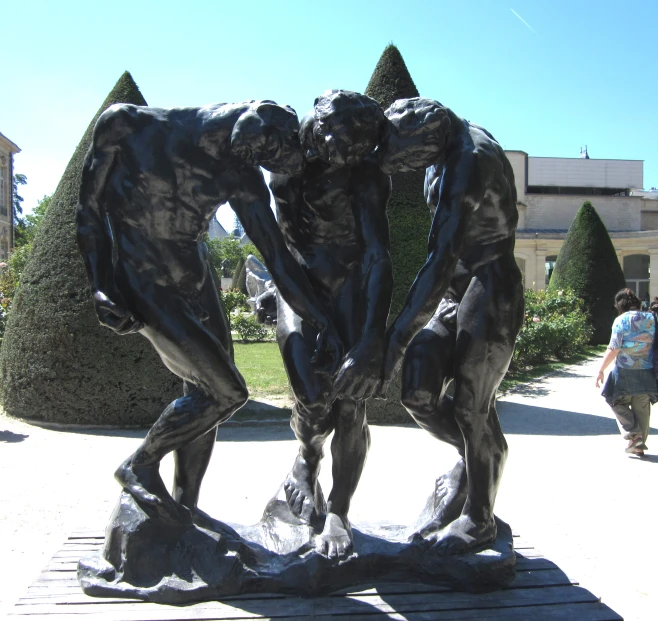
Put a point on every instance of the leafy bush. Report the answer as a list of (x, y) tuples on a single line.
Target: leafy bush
[(556, 326), (249, 329), (233, 300)]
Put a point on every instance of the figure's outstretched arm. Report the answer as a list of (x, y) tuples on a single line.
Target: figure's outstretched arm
[(95, 240), (456, 190), (251, 203), (361, 370)]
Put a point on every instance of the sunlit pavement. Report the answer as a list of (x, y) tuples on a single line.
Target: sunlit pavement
[(568, 487)]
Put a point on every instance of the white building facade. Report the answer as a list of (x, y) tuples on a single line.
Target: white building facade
[(7, 151), (550, 191)]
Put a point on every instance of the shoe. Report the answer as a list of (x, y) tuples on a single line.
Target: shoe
[(638, 453), (633, 443)]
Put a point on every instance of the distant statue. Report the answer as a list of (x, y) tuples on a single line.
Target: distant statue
[(261, 290), (333, 217), (151, 184), (463, 313)]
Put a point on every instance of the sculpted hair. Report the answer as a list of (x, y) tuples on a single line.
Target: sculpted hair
[(420, 116), (626, 300), (338, 111), (260, 129)]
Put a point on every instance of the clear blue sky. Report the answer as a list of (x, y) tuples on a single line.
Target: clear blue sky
[(544, 77)]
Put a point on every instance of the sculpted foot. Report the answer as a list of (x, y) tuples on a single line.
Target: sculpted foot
[(462, 536), (146, 486), (301, 490), (450, 494), (336, 539)]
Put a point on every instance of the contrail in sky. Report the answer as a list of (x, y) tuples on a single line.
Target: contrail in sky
[(523, 20)]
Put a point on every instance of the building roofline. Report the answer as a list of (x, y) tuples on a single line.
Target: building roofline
[(590, 159), (13, 147)]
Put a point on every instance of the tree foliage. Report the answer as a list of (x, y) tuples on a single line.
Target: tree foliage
[(57, 363), (588, 265)]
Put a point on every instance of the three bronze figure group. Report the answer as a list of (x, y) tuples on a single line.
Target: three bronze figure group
[(152, 182)]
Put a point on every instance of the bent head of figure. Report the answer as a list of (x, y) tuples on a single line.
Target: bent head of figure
[(267, 135), (417, 134), (342, 128)]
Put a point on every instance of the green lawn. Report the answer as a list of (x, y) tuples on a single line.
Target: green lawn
[(262, 368)]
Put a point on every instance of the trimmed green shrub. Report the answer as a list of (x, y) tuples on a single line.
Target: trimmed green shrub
[(57, 363), (236, 274), (556, 326), (249, 329), (588, 264), (241, 284), (409, 218)]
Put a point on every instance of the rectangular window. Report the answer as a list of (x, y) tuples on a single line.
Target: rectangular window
[(3, 190)]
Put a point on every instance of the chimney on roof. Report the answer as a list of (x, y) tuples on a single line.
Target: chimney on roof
[(583, 153)]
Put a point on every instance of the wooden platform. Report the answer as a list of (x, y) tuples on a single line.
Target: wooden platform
[(540, 592)]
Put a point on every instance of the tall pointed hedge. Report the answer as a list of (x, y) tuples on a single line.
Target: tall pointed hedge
[(408, 215), (588, 264), (57, 363)]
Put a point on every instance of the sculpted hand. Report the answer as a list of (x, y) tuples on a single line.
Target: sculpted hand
[(115, 316), (328, 351), (359, 374), (392, 363)]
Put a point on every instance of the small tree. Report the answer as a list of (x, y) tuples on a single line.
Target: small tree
[(225, 254), (588, 265)]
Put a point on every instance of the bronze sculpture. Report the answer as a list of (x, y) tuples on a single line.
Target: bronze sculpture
[(333, 216), (152, 181), (462, 315)]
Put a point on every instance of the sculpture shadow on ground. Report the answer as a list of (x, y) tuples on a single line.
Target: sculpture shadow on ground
[(523, 419), (10, 437)]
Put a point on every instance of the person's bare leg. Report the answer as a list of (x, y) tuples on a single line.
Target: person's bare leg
[(426, 375), (349, 449), (480, 365), (189, 350), (311, 417)]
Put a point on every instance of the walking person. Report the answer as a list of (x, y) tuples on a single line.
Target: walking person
[(631, 388)]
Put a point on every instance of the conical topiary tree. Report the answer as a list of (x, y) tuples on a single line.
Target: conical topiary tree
[(235, 281), (408, 215), (588, 264), (57, 363)]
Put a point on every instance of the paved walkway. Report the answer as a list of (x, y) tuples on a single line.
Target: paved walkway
[(568, 488)]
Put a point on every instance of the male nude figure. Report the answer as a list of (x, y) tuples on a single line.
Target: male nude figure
[(152, 181), (333, 216), (463, 312)]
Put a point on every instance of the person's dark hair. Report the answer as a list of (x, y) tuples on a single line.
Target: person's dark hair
[(626, 300)]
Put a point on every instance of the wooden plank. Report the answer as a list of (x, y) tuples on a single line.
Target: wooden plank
[(290, 607)]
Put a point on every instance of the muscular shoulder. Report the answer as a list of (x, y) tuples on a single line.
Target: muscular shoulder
[(119, 120)]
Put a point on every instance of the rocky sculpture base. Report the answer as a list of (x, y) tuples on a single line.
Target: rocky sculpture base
[(208, 560)]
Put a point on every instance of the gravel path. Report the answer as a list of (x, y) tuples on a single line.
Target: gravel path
[(568, 488)]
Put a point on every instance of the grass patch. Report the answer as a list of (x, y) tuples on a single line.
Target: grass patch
[(523, 376), (261, 366)]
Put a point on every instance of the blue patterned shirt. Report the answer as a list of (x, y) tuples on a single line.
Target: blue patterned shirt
[(633, 333)]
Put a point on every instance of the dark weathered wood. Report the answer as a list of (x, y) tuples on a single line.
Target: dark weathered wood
[(540, 591)]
